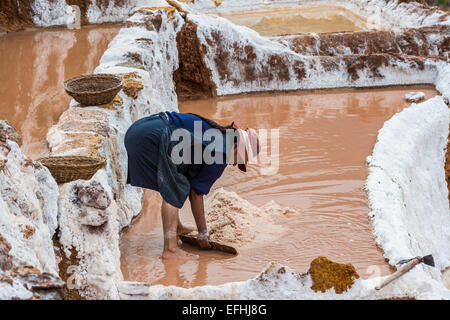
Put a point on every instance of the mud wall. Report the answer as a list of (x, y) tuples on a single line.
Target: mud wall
[(236, 59), (242, 61), (426, 42), (15, 15), (193, 78)]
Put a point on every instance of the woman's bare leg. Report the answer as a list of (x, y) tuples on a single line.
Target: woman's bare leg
[(182, 229), (169, 216)]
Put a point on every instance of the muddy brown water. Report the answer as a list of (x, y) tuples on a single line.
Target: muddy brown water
[(300, 19), (325, 137), (33, 67)]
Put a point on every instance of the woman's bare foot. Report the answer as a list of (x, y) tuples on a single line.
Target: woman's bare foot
[(178, 254), (183, 230)]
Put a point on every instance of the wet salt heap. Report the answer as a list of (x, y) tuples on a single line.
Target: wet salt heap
[(231, 219)]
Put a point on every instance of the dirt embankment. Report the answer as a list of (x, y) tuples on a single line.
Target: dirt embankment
[(425, 42), (239, 63), (193, 78), (15, 15)]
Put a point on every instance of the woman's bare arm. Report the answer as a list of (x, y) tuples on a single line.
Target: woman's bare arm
[(198, 210)]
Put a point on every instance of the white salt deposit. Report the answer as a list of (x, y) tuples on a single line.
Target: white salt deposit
[(233, 220), (407, 188), (414, 96)]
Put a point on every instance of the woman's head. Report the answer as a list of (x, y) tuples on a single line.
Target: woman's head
[(247, 147), (245, 142)]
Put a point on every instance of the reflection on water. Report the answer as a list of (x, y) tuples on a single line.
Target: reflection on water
[(300, 19), (33, 67), (325, 137)]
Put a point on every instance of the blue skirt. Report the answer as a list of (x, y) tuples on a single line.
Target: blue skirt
[(142, 141), (148, 146)]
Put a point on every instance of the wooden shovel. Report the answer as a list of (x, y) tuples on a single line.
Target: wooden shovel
[(214, 245), (408, 265)]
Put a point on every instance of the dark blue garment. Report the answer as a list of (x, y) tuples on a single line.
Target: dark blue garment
[(149, 148), (202, 176)]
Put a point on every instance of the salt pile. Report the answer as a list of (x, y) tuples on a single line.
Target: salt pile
[(231, 219)]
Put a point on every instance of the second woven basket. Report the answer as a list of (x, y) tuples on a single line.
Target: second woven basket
[(70, 168), (93, 90)]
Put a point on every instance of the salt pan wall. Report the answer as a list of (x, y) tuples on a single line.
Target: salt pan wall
[(92, 213), (242, 61), (425, 41), (407, 188), (28, 221)]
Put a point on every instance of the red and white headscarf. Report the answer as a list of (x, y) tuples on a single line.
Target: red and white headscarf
[(248, 147)]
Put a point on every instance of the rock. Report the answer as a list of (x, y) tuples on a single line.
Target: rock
[(79, 132), (131, 87), (446, 101), (7, 131), (93, 195), (34, 279), (327, 274), (89, 237), (251, 63), (30, 283), (28, 214), (113, 105), (414, 96), (27, 230), (92, 218), (91, 200)]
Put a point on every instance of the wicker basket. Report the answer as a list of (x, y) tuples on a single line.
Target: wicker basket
[(93, 90), (70, 168)]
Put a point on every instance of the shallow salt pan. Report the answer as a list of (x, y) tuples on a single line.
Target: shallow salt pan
[(299, 20)]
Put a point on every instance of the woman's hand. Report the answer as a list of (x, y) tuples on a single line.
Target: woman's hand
[(204, 244), (203, 240), (198, 211)]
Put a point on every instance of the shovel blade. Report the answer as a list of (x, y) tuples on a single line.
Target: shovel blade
[(428, 260), (214, 245)]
